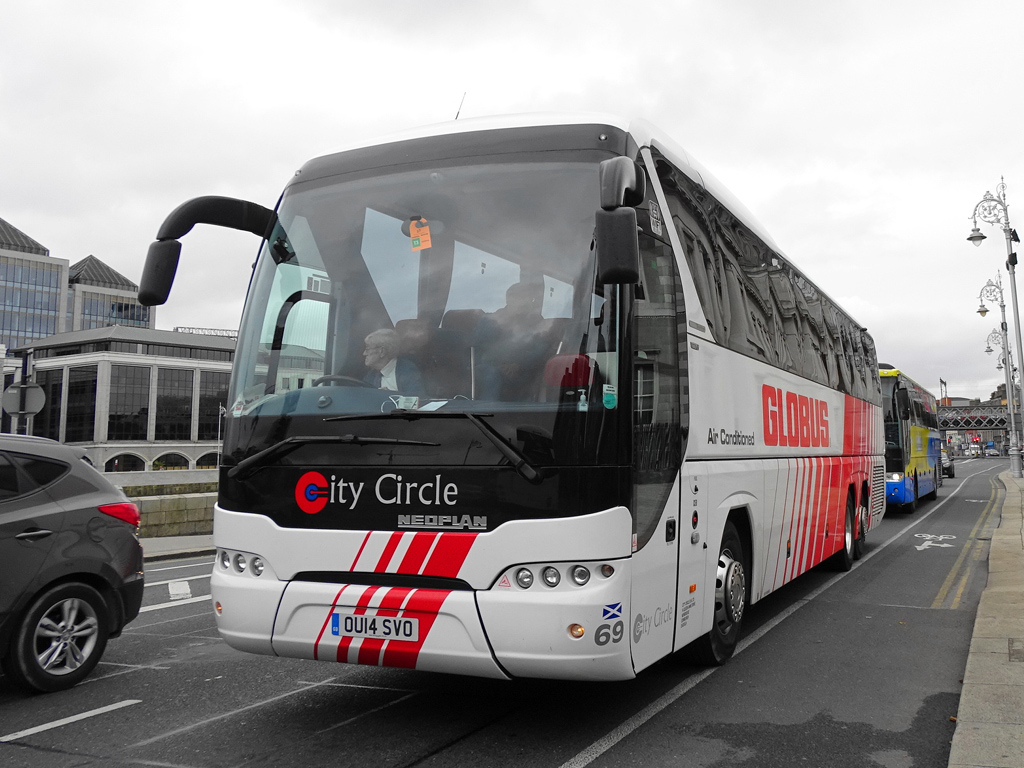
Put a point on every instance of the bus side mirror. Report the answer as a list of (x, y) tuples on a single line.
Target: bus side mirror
[(903, 403), (622, 183), (623, 186), (618, 249), (162, 258), (158, 274)]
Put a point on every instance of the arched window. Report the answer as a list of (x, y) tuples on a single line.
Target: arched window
[(125, 462), (171, 461), (208, 461)]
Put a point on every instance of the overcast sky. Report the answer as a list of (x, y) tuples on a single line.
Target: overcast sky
[(861, 134)]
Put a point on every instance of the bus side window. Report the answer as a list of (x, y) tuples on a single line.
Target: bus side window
[(659, 416)]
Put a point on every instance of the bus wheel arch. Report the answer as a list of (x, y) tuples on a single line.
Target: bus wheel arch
[(732, 592)]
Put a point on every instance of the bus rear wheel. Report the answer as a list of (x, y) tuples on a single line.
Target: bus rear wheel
[(843, 559), (858, 543), (730, 601)]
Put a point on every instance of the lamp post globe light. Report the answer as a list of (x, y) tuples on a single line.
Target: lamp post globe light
[(994, 209), (998, 338)]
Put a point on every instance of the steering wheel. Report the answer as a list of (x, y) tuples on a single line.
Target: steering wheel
[(351, 381)]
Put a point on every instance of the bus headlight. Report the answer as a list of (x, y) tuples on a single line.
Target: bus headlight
[(580, 574), (551, 576), (257, 566), (524, 578), (896, 477), (225, 559), (240, 563)]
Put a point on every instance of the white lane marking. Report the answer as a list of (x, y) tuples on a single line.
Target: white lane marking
[(68, 720), (179, 590), (171, 581), (356, 685), (222, 716), (172, 604), (367, 712), (609, 740)]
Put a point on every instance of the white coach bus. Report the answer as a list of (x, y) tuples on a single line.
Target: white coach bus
[(526, 397)]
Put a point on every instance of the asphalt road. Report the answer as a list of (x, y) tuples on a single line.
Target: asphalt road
[(855, 669)]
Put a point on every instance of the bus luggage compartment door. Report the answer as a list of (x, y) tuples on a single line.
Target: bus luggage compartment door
[(435, 630)]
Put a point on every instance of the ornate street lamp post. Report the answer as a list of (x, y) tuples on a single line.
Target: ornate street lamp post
[(994, 210), (998, 338)]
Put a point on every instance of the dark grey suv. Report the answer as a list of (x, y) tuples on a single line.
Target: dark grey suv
[(70, 563)]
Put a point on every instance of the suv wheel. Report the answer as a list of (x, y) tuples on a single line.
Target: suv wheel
[(59, 640)]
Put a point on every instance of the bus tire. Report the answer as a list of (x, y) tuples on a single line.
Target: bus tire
[(843, 559), (730, 602), (911, 506), (933, 494), (862, 532)]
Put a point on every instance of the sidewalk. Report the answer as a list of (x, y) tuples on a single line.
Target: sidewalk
[(165, 547), (990, 722)]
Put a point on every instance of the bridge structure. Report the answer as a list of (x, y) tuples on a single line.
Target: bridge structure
[(975, 417)]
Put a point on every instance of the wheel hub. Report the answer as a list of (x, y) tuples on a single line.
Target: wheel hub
[(731, 592)]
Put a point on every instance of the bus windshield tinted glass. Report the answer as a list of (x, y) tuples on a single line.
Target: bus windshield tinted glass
[(467, 287)]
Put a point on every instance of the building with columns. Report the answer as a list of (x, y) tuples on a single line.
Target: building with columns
[(136, 399)]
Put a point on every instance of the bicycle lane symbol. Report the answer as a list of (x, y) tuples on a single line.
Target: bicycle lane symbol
[(932, 540)]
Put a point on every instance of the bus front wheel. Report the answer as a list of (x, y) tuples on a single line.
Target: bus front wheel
[(730, 601)]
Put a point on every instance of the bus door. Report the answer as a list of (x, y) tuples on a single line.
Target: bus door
[(693, 552), (651, 620)]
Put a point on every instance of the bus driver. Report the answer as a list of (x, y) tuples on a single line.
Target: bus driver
[(387, 369)]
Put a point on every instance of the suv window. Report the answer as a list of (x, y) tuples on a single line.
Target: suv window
[(42, 471), (8, 479)]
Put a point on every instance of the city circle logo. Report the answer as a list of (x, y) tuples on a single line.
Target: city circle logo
[(311, 492)]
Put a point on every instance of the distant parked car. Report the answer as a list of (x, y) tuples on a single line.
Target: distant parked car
[(991, 452), (70, 563), (948, 464)]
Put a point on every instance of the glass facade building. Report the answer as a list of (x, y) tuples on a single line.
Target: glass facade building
[(135, 398), (41, 295)]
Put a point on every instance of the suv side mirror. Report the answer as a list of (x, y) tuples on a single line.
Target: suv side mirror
[(623, 186)]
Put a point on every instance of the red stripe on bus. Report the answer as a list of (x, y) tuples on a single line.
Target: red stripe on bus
[(423, 605), (820, 513), (449, 555), (316, 644), (828, 528), (836, 508), (806, 533), (798, 485), (417, 552), (360, 552), (388, 553), (361, 604), (369, 651), (780, 561)]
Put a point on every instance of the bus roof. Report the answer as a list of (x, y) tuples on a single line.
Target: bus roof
[(642, 132), (889, 372)]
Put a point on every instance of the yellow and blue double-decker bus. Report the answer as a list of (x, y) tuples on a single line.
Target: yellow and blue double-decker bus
[(913, 463)]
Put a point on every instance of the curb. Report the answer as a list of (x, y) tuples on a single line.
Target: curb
[(990, 719)]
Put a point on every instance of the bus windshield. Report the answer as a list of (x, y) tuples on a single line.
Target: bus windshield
[(435, 290)]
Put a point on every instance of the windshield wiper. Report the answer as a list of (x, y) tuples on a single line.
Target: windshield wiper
[(519, 462), (248, 465)]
